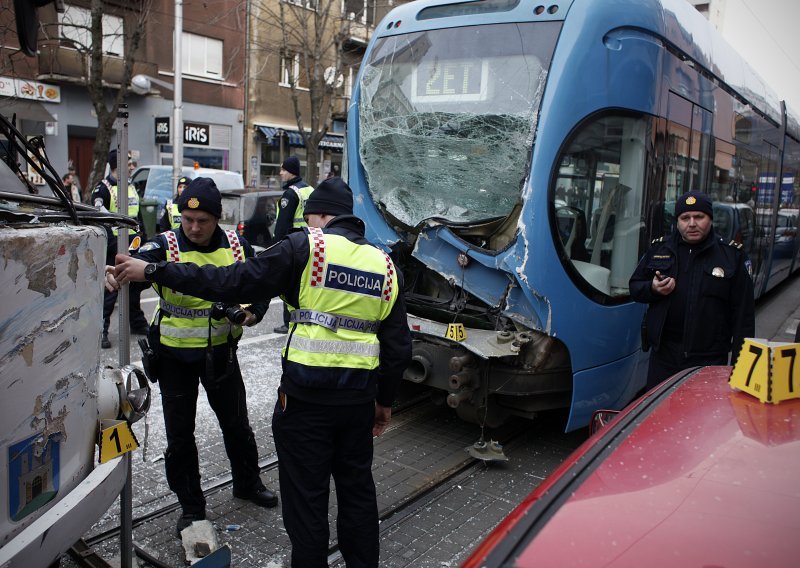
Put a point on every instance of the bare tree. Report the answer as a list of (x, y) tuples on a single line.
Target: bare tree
[(308, 36), (92, 37)]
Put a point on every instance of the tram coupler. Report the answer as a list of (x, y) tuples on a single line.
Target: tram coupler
[(461, 362), (464, 378), (456, 398)]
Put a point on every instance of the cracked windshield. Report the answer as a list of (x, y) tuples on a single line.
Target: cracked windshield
[(447, 119)]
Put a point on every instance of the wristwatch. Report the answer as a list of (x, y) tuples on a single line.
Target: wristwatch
[(150, 270)]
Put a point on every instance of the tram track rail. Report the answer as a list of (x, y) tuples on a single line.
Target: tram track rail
[(84, 551), (407, 507)]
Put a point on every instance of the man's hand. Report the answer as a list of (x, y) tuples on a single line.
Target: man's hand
[(661, 285), (383, 414), (251, 319), (110, 282), (128, 269)]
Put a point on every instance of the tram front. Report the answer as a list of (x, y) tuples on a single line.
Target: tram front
[(440, 140)]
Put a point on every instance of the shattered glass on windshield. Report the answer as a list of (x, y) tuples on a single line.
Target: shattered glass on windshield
[(447, 119)]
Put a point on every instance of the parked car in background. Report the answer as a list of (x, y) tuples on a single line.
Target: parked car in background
[(735, 222), (692, 474), (786, 232), (250, 213), (155, 182)]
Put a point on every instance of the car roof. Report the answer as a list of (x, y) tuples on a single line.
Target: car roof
[(693, 474), (241, 192)]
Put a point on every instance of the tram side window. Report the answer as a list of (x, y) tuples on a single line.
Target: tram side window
[(598, 200), (791, 175)]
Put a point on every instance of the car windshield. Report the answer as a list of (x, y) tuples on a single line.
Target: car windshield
[(159, 184), (447, 119), (225, 180)]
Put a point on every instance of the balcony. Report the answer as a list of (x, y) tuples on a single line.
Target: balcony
[(65, 64), (358, 32)]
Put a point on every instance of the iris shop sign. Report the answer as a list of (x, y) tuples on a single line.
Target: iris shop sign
[(193, 133)]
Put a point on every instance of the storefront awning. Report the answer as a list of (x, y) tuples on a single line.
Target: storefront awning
[(334, 142), (27, 110), (295, 139), (273, 134), (268, 132)]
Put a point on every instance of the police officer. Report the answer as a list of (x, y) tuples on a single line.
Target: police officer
[(347, 348), (185, 332), (699, 293), (171, 219), (290, 211), (106, 196)]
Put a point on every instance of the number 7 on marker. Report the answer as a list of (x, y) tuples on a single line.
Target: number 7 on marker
[(790, 354), (757, 351)]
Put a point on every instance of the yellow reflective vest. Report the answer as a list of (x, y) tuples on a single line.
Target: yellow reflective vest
[(173, 214), (184, 323), (133, 201), (346, 290), (302, 196)]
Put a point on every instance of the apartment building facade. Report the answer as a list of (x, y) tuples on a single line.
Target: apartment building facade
[(277, 56), (49, 95)]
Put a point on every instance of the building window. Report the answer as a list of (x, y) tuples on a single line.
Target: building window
[(75, 26), (270, 167), (362, 11), (309, 4), (201, 56), (290, 72)]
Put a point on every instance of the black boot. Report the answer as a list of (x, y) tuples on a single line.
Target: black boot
[(187, 519), (262, 498), (104, 342)]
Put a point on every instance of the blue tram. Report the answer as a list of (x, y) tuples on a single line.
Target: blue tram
[(517, 158)]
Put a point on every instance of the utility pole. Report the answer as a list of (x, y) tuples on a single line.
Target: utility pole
[(177, 118)]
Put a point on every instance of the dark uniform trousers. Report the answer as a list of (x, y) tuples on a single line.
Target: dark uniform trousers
[(227, 398), (670, 359), (313, 442)]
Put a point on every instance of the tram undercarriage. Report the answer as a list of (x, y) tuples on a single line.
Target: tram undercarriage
[(498, 369)]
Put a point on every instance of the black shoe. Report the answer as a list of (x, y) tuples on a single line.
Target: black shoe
[(186, 520), (281, 329), (104, 342), (263, 498), (140, 329)]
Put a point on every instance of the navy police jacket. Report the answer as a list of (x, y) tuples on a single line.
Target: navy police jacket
[(720, 310), (277, 271)]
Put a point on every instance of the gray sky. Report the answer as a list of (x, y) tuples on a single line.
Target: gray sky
[(766, 34)]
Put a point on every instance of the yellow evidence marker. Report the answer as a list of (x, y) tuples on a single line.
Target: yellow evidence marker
[(116, 438), (769, 371)]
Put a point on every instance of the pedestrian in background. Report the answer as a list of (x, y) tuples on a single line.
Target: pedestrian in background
[(194, 344), (106, 196), (699, 293), (72, 190), (342, 363), (76, 180), (290, 212), (171, 219), (333, 172)]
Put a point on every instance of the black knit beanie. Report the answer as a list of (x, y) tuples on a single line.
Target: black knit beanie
[(332, 197)]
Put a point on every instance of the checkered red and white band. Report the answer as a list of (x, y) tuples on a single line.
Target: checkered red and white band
[(317, 256)]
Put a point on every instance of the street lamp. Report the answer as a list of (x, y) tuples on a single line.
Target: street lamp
[(141, 84)]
